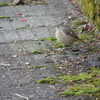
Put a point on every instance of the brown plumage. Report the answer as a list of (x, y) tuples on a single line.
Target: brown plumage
[(66, 35)]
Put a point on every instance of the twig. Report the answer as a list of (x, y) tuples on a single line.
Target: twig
[(22, 96)]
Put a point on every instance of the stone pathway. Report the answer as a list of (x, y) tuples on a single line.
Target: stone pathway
[(18, 70)]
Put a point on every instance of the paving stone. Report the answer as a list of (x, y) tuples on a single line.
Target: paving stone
[(5, 1)]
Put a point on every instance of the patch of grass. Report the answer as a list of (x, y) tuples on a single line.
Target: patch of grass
[(61, 65), (76, 42), (78, 23), (2, 17), (82, 83), (93, 50), (56, 65), (79, 29), (34, 52), (85, 36), (4, 4), (49, 25), (30, 67), (73, 18), (58, 44), (45, 3), (14, 68), (81, 89), (42, 39), (63, 51), (51, 38), (74, 78), (22, 27), (38, 52), (50, 80), (39, 66)]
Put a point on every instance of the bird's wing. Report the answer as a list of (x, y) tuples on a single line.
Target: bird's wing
[(68, 31)]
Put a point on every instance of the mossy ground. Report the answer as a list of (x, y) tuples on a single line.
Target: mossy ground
[(85, 83), (78, 23), (3, 17), (21, 28), (80, 84), (5, 4)]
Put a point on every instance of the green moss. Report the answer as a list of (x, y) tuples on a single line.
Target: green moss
[(50, 80), (79, 29), (81, 89), (34, 52), (39, 51), (79, 92), (2, 17), (5, 4), (95, 71), (93, 50), (22, 27), (63, 51), (45, 3), (51, 38), (91, 86), (30, 67), (41, 26), (14, 68), (56, 65), (49, 25), (76, 42), (67, 93), (73, 18), (78, 23), (85, 36), (39, 66), (61, 65), (73, 78), (42, 39), (82, 83), (58, 44)]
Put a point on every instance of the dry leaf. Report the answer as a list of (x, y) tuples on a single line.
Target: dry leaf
[(23, 20), (18, 14)]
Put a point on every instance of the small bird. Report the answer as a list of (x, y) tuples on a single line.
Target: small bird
[(66, 35)]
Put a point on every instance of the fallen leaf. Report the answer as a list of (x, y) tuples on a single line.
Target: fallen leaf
[(18, 14), (23, 20)]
